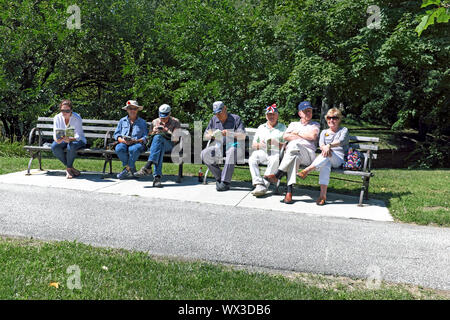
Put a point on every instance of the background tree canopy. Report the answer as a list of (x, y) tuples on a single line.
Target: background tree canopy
[(247, 53)]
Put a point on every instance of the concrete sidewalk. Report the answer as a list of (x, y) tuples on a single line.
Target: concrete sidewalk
[(190, 189)]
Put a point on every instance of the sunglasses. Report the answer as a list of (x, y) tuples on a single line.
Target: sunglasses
[(66, 111), (332, 118), (133, 109)]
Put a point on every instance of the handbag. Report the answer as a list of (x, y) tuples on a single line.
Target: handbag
[(355, 160)]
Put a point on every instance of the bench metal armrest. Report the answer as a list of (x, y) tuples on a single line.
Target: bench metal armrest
[(108, 136), (32, 135), (367, 161)]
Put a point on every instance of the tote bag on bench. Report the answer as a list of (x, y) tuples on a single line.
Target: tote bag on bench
[(354, 161)]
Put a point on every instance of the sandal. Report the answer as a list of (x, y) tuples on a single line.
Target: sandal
[(302, 174), (75, 172), (69, 174), (321, 201)]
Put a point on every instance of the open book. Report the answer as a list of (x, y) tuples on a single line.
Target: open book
[(217, 134), (128, 138), (68, 132)]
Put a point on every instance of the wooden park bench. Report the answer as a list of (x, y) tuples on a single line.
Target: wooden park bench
[(93, 129), (367, 145)]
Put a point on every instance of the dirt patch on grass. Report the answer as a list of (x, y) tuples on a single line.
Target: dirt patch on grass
[(427, 209)]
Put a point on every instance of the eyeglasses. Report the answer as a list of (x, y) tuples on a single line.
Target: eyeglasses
[(66, 111), (332, 118), (133, 109)]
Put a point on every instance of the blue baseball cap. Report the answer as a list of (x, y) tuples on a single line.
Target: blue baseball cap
[(218, 107), (304, 105)]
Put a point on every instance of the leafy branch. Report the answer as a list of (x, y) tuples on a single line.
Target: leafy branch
[(438, 14)]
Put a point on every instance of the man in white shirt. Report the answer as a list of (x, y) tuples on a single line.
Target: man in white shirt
[(301, 149), (266, 143)]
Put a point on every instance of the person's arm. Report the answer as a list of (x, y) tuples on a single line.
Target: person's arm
[(289, 134), (322, 139), (118, 133), (343, 138), (177, 126), (144, 132), (78, 127), (312, 134), (55, 125), (208, 131), (257, 144), (239, 132)]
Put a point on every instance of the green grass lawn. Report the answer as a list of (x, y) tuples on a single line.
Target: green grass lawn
[(412, 196), (28, 267)]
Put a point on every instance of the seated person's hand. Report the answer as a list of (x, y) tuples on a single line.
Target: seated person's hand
[(66, 139), (276, 143), (224, 133), (263, 145), (326, 150)]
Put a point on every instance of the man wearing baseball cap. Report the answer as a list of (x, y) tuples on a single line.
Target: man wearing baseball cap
[(301, 149), (131, 133), (224, 128), (163, 141), (267, 142)]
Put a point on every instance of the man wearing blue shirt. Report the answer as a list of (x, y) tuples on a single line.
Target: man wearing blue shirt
[(131, 133), (224, 128)]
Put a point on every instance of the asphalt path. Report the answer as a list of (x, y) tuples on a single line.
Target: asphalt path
[(393, 252)]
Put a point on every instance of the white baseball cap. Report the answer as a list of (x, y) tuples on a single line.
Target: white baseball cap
[(164, 110)]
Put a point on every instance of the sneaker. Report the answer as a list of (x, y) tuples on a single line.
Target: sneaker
[(143, 172), (157, 182), (260, 190), (223, 186), (124, 174)]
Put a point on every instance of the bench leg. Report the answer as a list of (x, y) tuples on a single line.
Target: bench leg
[(180, 172), (110, 165), (363, 191), (104, 166), (205, 177), (277, 188), (366, 193), (29, 164), (40, 161)]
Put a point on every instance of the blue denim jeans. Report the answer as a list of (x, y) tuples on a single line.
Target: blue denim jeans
[(129, 154), (159, 146), (67, 158)]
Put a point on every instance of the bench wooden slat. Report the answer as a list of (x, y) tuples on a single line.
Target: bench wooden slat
[(110, 122), (87, 135), (85, 128), (92, 128), (364, 139), (365, 147)]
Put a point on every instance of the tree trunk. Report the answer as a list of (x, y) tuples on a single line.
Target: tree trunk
[(324, 109), (423, 130)]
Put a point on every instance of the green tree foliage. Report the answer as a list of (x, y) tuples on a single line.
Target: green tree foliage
[(248, 53), (439, 14)]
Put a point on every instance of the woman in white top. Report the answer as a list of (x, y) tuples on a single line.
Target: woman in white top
[(334, 145), (68, 136)]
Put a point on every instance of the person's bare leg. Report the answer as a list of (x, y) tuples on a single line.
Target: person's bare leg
[(323, 195), (302, 174)]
